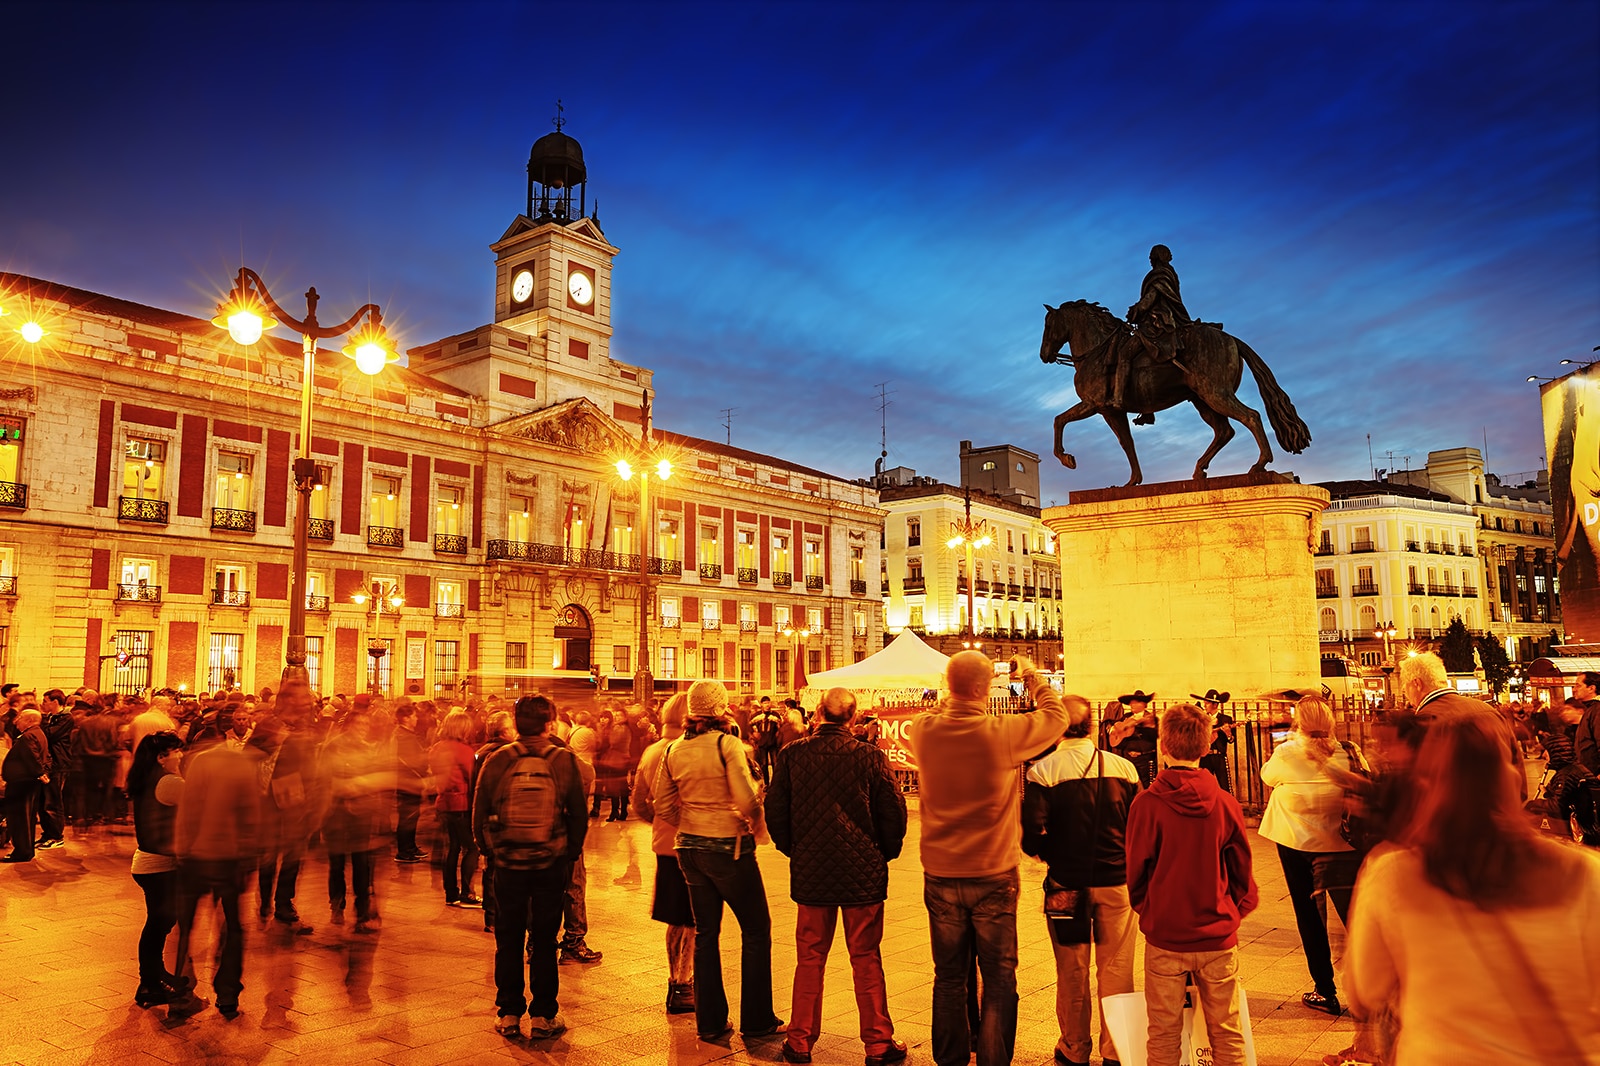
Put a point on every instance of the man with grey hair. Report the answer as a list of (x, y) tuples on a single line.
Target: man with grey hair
[(1423, 679), (972, 845), (24, 771), (834, 809)]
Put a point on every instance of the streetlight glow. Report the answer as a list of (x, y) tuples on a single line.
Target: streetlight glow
[(31, 332), (245, 327), (370, 359), (624, 470), (664, 470)]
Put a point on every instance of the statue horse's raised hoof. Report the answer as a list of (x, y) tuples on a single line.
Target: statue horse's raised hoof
[(1067, 460)]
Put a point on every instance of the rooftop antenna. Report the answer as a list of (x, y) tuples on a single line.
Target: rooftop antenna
[(1370, 464), (883, 427), (1486, 447), (727, 422)]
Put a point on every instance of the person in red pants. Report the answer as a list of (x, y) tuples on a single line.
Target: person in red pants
[(834, 809)]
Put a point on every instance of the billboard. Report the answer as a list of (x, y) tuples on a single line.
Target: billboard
[(1572, 446)]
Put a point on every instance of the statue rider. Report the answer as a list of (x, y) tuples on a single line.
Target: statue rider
[(1159, 318)]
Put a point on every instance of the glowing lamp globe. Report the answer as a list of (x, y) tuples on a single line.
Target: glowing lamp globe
[(370, 359), (31, 332)]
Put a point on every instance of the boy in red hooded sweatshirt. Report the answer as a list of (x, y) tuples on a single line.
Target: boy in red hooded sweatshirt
[(1190, 880)]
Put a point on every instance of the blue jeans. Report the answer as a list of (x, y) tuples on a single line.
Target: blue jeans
[(967, 916), (715, 878)]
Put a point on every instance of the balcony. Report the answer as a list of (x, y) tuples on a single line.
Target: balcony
[(317, 604), (1047, 594), (319, 529), (1360, 546), (748, 575), (961, 584), (782, 579), (449, 610), (521, 551), (1028, 594), (913, 584), (709, 624), (860, 633), (139, 509), (449, 544), (710, 571), (813, 582), (1327, 592), (1431, 547), (858, 587), (13, 495), (230, 597), (8, 585), (233, 521), (671, 622), (748, 625), (660, 567), (885, 584), (1447, 548), (1417, 588), (1467, 549), (139, 593), (385, 537), (1413, 545), (982, 586), (1329, 636), (914, 540), (1365, 588), (1469, 590), (1325, 548), (1014, 591), (1441, 590)]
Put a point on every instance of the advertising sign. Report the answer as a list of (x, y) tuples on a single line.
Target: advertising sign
[(894, 735), (1572, 445), (416, 658)]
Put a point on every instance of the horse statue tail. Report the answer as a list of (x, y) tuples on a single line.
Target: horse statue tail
[(1292, 433)]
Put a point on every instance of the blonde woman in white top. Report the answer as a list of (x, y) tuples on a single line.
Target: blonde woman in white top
[(1303, 817)]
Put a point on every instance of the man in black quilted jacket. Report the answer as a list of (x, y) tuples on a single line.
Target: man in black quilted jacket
[(834, 809)]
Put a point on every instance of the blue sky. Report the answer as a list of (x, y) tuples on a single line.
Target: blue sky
[(1397, 205)]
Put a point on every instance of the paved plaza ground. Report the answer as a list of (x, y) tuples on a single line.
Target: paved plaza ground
[(421, 991)]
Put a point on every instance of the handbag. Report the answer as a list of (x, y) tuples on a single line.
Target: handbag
[(1356, 825), (1070, 910)]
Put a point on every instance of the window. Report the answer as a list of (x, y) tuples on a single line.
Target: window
[(1371, 658), (1364, 578), (708, 663), (708, 545), (1325, 585), (621, 659), (989, 465), (1011, 540), (132, 670), (780, 553), (446, 659), (228, 586), (317, 588), (383, 503), (1369, 618), (780, 616), (747, 614), (669, 662), (222, 666), (780, 667), (447, 516), (380, 669), (913, 532), (1021, 469), (622, 532), (858, 564), (814, 619), (516, 655), (320, 493), (574, 527), (745, 549), (914, 569), (144, 468), (314, 663), (667, 540), (860, 627), (669, 612), (916, 618), (138, 573), (814, 661), (447, 599), (813, 558), (11, 431), (1327, 621), (234, 485), (747, 669), (710, 614), (519, 519)]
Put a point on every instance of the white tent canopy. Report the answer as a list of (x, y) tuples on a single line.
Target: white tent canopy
[(906, 663)]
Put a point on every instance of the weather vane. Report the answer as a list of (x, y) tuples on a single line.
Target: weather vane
[(560, 119)]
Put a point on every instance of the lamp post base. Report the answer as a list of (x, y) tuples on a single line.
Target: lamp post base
[(644, 687)]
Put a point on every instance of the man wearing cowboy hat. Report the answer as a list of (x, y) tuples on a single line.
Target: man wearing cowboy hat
[(1134, 738), (1216, 760)]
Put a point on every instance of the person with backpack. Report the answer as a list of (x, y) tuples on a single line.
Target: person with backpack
[(764, 733), (529, 818)]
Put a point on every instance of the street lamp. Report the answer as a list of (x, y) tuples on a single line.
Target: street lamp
[(797, 638), (246, 314), (648, 462), (970, 535), (1387, 631), (385, 599)]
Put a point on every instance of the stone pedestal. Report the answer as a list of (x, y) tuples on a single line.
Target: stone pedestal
[(1180, 587)]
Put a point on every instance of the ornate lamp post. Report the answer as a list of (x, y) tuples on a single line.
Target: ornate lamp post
[(385, 599), (648, 461), (246, 314), (970, 535), (1387, 631)]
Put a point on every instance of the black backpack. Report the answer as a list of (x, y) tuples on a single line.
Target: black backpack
[(525, 827)]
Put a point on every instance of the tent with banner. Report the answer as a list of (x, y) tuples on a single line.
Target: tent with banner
[(905, 668)]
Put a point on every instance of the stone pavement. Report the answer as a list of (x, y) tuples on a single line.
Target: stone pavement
[(421, 992)]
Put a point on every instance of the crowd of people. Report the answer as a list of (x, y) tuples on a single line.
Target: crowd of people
[(1471, 938)]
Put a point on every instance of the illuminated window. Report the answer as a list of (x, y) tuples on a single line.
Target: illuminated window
[(446, 663), (669, 662), (780, 553), (781, 616), (667, 540), (12, 431), (858, 564), (519, 519), (383, 502), (708, 544), (144, 468), (234, 485), (813, 558), (321, 492), (913, 532), (989, 465), (814, 619), (447, 510), (745, 549), (708, 663)]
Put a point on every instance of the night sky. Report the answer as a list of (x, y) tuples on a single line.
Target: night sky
[(1395, 204)]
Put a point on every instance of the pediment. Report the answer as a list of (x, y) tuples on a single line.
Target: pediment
[(589, 228), (519, 225), (576, 425)]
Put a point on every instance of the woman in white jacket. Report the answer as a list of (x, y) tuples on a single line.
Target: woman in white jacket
[(1303, 817)]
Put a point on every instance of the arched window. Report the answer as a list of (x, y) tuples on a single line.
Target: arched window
[(1327, 621), (1416, 618), (1369, 617)]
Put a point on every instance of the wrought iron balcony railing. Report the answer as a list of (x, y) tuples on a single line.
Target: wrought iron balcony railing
[(385, 537), (710, 623), (449, 544), (1469, 590), (1447, 548), (782, 579), (748, 575), (710, 571), (230, 597), (1327, 592), (1325, 548), (961, 584), (1467, 549), (1014, 591), (982, 586), (8, 585), (139, 593), (13, 495), (1431, 547), (316, 603), (1365, 588), (665, 567), (813, 582), (858, 587), (448, 610), (319, 528), (671, 622), (914, 584), (139, 509), (232, 520), (860, 632), (747, 625), (1417, 588), (1413, 545), (521, 551), (1366, 546)]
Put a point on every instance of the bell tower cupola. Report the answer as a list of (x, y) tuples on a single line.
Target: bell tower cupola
[(555, 170)]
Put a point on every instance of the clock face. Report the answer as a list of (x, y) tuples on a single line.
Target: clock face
[(522, 286), (580, 286)]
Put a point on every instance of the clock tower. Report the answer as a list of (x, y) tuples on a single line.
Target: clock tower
[(553, 265)]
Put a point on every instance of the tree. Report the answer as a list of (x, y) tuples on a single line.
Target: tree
[(1456, 648), (1496, 667)]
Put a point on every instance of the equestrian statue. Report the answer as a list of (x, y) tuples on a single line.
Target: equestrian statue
[(1161, 357)]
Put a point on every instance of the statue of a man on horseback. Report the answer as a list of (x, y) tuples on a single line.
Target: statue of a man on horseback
[(1187, 361)]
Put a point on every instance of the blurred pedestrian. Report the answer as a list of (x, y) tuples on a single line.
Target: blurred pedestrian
[(26, 770), (971, 847), (670, 901), (450, 762), (411, 769), (154, 788), (358, 777), (834, 809)]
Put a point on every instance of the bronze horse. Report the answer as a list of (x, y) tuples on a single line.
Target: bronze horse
[(1206, 373)]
